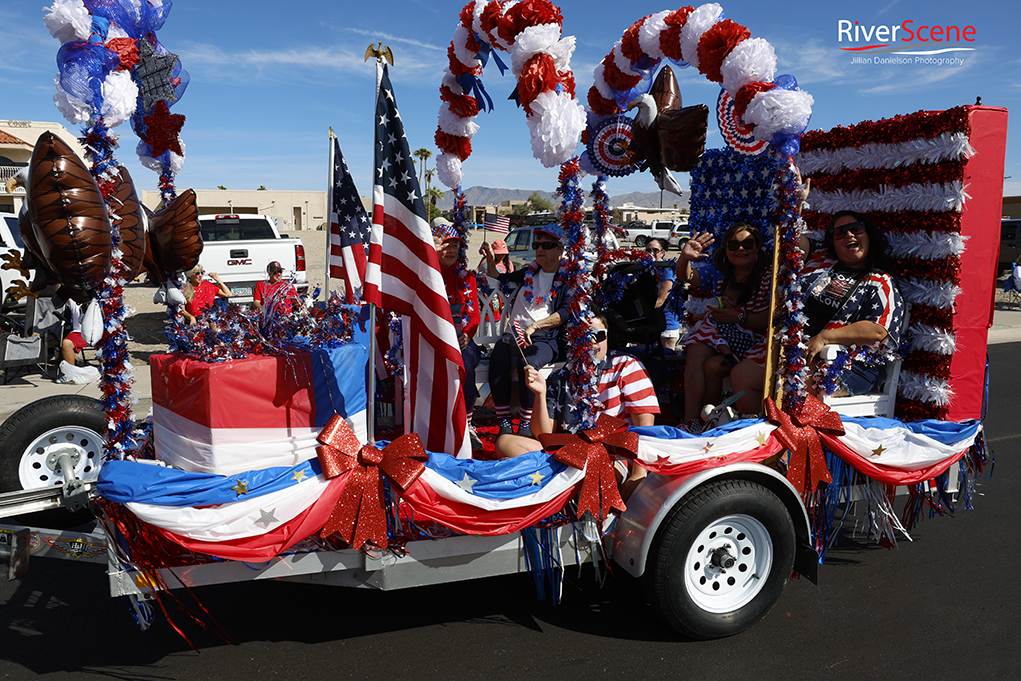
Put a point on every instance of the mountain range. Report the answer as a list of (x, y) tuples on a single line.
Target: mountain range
[(489, 196)]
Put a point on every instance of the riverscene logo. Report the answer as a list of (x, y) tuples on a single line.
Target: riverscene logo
[(909, 42)]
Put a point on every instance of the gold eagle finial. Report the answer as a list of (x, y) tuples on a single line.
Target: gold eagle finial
[(379, 52)]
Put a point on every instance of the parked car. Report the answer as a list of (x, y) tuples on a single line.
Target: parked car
[(519, 244), (671, 232), (1010, 243), (238, 248)]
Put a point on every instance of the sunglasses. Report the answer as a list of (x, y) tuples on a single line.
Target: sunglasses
[(544, 245), (598, 335), (653, 250), (855, 228), (747, 244)]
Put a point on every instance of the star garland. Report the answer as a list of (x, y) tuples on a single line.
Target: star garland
[(461, 267), (580, 352)]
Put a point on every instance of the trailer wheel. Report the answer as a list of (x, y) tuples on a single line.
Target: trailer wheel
[(641, 240), (70, 423), (721, 560)]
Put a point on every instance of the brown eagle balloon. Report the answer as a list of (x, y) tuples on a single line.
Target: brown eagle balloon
[(668, 135), (68, 220), (174, 241), (130, 220)]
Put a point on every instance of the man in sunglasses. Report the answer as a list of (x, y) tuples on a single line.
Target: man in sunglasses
[(539, 308), (623, 388)]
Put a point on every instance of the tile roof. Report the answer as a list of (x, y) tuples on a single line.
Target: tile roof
[(7, 138)]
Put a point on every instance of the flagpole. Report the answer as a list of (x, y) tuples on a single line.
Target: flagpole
[(329, 209), (373, 343)]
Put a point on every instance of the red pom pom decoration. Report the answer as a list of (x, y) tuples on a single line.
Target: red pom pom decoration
[(716, 43), (747, 93)]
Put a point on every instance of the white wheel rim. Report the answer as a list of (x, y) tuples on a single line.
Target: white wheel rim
[(719, 589), (33, 471)]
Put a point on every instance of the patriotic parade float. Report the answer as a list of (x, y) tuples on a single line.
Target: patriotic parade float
[(262, 460)]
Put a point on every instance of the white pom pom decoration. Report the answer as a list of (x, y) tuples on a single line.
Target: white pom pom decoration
[(751, 60), (556, 123), (699, 21), (75, 110), (448, 169), (68, 20), (648, 34), (778, 110), (120, 96)]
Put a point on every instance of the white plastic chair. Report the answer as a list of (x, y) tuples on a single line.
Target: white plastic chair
[(870, 404)]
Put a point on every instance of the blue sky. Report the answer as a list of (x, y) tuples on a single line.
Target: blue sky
[(269, 79)]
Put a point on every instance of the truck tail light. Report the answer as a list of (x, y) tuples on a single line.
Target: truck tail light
[(299, 258)]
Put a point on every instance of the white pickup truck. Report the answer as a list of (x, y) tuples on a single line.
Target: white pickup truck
[(238, 248), (672, 233)]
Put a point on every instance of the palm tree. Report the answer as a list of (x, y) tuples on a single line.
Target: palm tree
[(422, 155), (430, 173), (434, 194)]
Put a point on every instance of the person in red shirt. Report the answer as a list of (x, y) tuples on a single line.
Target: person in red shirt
[(266, 290), (200, 294), (464, 311)]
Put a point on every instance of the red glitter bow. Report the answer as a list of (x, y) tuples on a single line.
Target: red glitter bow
[(359, 516), (589, 451), (799, 433)]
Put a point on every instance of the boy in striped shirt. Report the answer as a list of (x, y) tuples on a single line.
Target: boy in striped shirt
[(625, 391)]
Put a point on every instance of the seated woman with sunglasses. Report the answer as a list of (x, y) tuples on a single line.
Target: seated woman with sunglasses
[(740, 261), (200, 294), (624, 388), (850, 299), (539, 309)]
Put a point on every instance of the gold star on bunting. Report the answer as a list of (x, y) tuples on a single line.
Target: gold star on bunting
[(878, 451), (241, 487), (708, 449), (537, 478), (760, 437), (298, 476)]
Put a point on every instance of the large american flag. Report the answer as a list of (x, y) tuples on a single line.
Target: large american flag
[(349, 228), (404, 276), (497, 223)]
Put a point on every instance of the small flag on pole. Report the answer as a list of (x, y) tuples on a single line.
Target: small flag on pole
[(519, 335), (497, 223), (349, 228)]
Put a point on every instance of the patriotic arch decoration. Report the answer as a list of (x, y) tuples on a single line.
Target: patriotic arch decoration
[(540, 61), (774, 108)]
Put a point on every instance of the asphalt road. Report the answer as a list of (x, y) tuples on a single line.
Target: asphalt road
[(944, 606)]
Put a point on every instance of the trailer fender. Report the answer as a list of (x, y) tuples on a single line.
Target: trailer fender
[(655, 498)]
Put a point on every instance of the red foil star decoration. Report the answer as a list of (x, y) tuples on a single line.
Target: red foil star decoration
[(163, 130), (589, 450), (799, 433), (359, 516)]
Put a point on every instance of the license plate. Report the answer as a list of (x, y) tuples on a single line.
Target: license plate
[(242, 290)]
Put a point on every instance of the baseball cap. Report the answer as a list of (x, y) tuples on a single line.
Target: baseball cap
[(273, 267), (443, 229), (500, 246), (553, 229)]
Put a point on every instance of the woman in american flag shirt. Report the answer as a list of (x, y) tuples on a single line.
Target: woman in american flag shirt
[(851, 300)]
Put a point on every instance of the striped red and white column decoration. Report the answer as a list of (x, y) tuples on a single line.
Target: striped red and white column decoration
[(907, 174)]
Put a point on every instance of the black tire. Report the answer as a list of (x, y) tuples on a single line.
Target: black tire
[(641, 240), (26, 436), (702, 573)]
